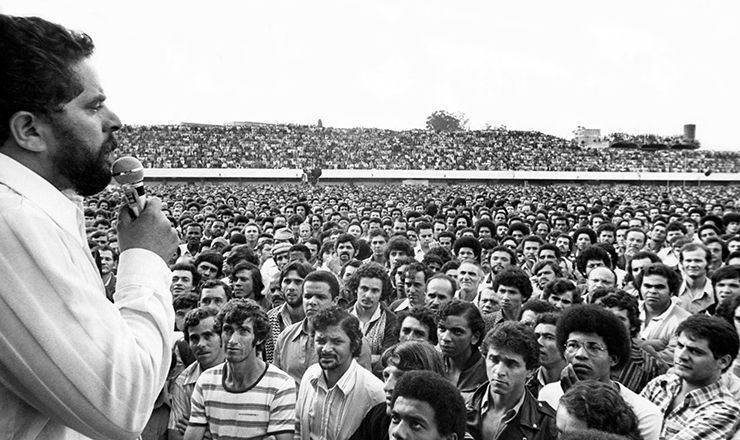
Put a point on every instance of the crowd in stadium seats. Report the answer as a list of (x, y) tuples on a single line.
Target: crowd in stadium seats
[(296, 146)]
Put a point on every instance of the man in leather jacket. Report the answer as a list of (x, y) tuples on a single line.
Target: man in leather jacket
[(503, 408)]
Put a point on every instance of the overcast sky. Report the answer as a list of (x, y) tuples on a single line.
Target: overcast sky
[(630, 66)]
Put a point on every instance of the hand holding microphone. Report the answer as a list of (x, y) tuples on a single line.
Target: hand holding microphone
[(141, 224), (129, 173)]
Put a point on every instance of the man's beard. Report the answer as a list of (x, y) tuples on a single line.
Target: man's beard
[(87, 172)]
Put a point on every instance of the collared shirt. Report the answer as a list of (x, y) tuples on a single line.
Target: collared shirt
[(706, 413), (639, 370), (180, 394), (335, 413), (294, 351), (504, 421), (660, 331), (279, 320), (70, 382), (700, 302)]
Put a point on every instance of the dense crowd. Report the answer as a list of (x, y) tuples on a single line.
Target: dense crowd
[(461, 279), (297, 146)]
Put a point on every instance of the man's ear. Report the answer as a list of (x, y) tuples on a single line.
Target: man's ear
[(28, 131), (724, 362), (614, 360)]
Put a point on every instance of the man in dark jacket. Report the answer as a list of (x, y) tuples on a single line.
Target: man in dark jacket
[(503, 408)]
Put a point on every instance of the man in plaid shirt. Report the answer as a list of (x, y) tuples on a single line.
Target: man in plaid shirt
[(695, 405)]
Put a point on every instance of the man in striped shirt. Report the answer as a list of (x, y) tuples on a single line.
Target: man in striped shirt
[(244, 397)]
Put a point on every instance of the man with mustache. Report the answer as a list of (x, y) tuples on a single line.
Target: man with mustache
[(244, 397), (336, 393), (594, 341), (69, 354), (205, 343), (291, 284), (294, 351)]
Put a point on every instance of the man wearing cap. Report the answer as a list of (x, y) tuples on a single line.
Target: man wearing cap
[(280, 257)]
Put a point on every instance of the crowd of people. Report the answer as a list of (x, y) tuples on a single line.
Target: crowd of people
[(346, 312), (296, 146), (593, 307)]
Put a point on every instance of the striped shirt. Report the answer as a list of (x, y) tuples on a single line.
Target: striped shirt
[(706, 413), (268, 407)]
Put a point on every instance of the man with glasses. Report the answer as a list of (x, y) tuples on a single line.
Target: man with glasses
[(594, 341)]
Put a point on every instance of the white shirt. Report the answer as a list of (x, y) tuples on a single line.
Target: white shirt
[(73, 364)]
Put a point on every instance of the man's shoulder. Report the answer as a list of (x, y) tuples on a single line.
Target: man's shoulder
[(190, 374), (639, 403), (212, 376), (275, 374), (290, 331), (551, 394)]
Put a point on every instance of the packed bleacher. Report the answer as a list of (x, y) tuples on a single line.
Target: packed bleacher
[(294, 146)]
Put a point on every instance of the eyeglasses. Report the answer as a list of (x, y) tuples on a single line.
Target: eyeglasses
[(592, 348)]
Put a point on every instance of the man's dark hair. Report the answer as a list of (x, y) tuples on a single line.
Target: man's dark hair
[(721, 337), (467, 310), (399, 243), (595, 319), (185, 301), (440, 394), (344, 238), (37, 67), (413, 356), (537, 306), (673, 279), (588, 231), (550, 247), (300, 267), (512, 254), (468, 242), (592, 253), (601, 407), (241, 253), (193, 318), (516, 278), (326, 277), (335, 316), (425, 316), (257, 284), (517, 338), (302, 248), (212, 284), (190, 268), (214, 258), (622, 300), (547, 318), (371, 270), (725, 273), (238, 310)]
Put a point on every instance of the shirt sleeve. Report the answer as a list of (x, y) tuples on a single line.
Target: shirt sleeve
[(68, 352), (179, 404), (282, 409), (197, 405)]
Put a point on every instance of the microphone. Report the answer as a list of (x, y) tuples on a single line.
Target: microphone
[(129, 173)]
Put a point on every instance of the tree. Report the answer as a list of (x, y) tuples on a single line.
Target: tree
[(442, 120)]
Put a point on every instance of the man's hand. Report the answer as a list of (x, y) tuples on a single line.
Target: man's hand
[(568, 377), (151, 230)]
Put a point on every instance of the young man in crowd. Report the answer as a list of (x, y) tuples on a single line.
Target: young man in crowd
[(335, 394), (503, 407), (205, 344), (291, 312), (424, 406), (594, 342), (460, 332), (694, 403), (294, 351), (243, 384), (660, 315)]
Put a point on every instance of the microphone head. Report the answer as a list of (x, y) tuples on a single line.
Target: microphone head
[(127, 170)]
